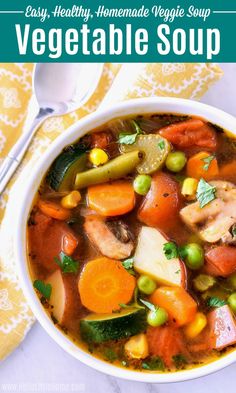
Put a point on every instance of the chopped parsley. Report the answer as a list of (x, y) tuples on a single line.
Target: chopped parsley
[(123, 305), (233, 230), (129, 139), (136, 127), (149, 305), (205, 193), (155, 363), (215, 302), (110, 354), (161, 145), (179, 360), (43, 288), (128, 264), (170, 250), (207, 162), (66, 263)]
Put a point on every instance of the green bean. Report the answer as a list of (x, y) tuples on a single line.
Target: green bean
[(114, 169)]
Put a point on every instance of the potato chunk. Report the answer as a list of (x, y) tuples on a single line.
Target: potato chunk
[(64, 297)]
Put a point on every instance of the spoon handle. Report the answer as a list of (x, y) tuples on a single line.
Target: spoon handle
[(16, 154)]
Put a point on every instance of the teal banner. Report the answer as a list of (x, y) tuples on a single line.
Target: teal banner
[(117, 31)]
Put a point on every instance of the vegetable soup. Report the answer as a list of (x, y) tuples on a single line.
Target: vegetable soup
[(132, 242)]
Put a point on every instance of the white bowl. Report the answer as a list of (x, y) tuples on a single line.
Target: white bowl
[(28, 191)]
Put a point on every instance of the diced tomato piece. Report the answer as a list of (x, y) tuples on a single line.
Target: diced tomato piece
[(166, 342), (191, 133), (221, 261), (47, 238), (101, 140), (222, 328), (200, 343), (162, 203)]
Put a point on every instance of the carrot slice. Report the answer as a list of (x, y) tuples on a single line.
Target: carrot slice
[(202, 165), (228, 171), (162, 203), (104, 284), (54, 210), (189, 133), (166, 342), (111, 199), (177, 302)]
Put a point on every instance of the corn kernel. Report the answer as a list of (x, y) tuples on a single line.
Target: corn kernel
[(98, 156), (71, 200), (137, 347), (189, 187), (194, 328)]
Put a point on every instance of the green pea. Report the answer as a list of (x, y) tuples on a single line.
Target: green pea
[(232, 302), (232, 280), (193, 255), (142, 184), (176, 161), (157, 317), (146, 285)]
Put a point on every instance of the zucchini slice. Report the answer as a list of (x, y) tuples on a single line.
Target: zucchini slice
[(98, 328), (156, 149), (61, 176)]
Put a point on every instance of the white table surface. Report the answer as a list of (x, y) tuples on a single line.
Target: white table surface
[(39, 365)]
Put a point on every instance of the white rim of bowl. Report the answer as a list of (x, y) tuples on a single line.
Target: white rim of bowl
[(131, 107)]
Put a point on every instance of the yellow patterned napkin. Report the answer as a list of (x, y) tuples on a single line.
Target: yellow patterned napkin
[(118, 82)]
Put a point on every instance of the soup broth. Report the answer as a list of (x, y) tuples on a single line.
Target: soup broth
[(131, 242)]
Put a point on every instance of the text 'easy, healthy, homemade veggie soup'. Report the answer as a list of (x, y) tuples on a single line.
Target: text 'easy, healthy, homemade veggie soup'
[(132, 242)]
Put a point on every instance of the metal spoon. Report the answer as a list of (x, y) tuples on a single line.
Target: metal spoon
[(58, 88)]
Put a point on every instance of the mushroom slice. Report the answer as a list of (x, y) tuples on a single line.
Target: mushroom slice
[(111, 243), (214, 221)]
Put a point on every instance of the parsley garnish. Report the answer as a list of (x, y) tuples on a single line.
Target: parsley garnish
[(179, 360), (215, 302), (149, 305), (161, 145), (66, 263), (136, 127), (207, 161), (44, 289), (128, 264), (123, 305), (129, 139), (110, 354), (205, 193), (155, 363), (233, 230), (170, 250)]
